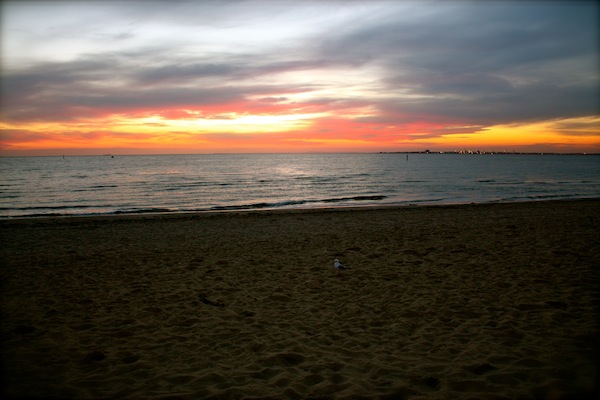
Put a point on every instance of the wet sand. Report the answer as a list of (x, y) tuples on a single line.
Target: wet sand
[(496, 301)]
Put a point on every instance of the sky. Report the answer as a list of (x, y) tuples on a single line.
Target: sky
[(135, 77)]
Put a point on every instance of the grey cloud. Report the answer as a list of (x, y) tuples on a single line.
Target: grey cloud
[(230, 69), (489, 63), (468, 37), (462, 84), (79, 101), (526, 104), (177, 72), (273, 99), (153, 97), (95, 85)]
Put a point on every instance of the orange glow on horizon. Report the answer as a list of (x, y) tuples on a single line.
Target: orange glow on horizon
[(579, 133), (242, 132)]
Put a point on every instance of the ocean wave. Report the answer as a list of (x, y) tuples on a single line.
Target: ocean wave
[(143, 211), (288, 203), (40, 208), (552, 196), (79, 210)]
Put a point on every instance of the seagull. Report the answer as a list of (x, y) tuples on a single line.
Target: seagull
[(339, 266)]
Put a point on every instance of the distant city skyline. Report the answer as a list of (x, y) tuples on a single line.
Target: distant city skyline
[(298, 76)]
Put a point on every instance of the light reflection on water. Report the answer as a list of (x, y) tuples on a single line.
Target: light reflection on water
[(100, 184)]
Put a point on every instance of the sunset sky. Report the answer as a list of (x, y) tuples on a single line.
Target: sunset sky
[(130, 77)]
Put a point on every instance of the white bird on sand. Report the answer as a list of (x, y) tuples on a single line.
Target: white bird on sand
[(339, 266)]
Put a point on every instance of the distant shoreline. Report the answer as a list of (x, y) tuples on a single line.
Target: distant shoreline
[(432, 152), (481, 152)]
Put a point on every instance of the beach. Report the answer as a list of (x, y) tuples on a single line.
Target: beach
[(494, 301)]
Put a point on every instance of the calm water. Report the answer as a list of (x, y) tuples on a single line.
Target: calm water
[(181, 183)]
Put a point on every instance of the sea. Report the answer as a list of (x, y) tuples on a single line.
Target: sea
[(137, 184)]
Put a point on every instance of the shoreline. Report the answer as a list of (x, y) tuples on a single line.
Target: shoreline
[(487, 300), (281, 210)]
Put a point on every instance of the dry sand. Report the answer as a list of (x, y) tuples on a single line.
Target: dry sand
[(464, 302)]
